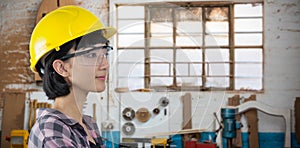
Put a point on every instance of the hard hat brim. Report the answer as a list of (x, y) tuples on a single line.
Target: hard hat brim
[(108, 32)]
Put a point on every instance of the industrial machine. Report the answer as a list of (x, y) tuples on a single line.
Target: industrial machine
[(230, 125)]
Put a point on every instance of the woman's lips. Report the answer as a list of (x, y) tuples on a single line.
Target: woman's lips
[(101, 77)]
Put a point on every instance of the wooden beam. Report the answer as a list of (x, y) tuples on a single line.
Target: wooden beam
[(235, 101), (231, 48), (187, 111), (186, 116), (297, 118)]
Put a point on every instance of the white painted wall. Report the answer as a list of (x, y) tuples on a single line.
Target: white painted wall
[(282, 54)]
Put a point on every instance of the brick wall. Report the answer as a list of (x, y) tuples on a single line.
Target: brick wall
[(17, 22)]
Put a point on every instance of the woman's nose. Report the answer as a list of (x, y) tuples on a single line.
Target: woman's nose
[(103, 64)]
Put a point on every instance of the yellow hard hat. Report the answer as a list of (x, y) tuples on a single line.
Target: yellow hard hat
[(61, 26)]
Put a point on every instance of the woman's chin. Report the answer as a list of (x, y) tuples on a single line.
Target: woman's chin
[(100, 89)]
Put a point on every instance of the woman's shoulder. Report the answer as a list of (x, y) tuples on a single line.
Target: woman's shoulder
[(52, 122), (48, 115), (51, 128)]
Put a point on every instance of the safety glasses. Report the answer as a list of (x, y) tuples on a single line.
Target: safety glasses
[(90, 56)]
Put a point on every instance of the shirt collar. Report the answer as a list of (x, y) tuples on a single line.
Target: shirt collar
[(57, 114)]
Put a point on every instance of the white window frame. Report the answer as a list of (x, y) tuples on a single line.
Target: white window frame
[(115, 3)]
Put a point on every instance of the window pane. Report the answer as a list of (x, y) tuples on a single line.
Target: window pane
[(161, 34), (131, 12), (247, 10), (182, 69), (131, 83), (217, 82), (248, 84), (161, 28), (122, 82), (189, 40), (195, 69), (135, 83), (217, 55), (124, 69), (216, 13), (216, 27), (131, 26), (133, 40), (248, 39), (185, 81), (190, 27), (161, 14), (248, 55), (216, 40), (218, 69), (248, 70), (131, 55), (161, 40), (160, 69), (248, 25), (161, 81), (131, 70), (161, 55), (190, 14), (189, 55)]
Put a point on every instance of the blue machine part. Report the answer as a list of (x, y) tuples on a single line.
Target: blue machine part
[(229, 122)]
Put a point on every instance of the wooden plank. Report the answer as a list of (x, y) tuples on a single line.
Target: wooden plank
[(66, 2), (186, 111), (235, 101), (50, 5), (252, 121), (13, 114), (186, 116), (297, 118)]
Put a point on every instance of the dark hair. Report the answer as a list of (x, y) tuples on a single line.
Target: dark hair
[(54, 84)]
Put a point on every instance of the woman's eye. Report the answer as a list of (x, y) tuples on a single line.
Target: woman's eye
[(91, 55)]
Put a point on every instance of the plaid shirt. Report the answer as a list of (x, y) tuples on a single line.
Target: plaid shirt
[(54, 129)]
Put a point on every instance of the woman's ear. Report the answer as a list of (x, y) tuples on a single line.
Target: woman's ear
[(61, 68)]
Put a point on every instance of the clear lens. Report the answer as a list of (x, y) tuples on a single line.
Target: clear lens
[(92, 56)]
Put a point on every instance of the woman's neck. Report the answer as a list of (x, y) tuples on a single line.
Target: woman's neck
[(71, 105)]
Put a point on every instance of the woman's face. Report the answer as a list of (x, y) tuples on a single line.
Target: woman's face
[(90, 68)]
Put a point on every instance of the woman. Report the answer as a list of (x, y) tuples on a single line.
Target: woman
[(68, 49)]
